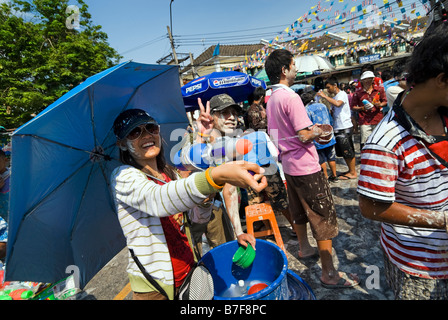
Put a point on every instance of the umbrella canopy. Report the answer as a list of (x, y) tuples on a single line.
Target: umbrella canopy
[(262, 76), (297, 87), (312, 63), (62, 214), (238, 85)]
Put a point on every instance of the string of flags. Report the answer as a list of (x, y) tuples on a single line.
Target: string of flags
[(324, 17)]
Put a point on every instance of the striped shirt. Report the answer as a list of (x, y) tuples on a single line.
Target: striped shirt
[(141, 203), (397, 167)]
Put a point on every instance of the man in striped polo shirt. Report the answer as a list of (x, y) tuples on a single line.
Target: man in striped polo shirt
[(403, 180)]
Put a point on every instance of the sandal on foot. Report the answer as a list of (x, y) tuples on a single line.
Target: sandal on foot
[(342, 283)]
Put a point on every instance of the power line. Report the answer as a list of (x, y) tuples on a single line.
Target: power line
[(192, 40), (150, 42), (234, 31)]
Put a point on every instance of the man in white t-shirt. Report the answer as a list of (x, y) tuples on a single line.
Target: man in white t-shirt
[(343, 126)]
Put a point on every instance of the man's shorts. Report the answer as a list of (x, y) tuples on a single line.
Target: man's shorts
[(310, 200), (275, 192), (345, 147), (366, 130), (326, 154)]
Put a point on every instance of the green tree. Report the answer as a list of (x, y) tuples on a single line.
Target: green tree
[(42, 56)]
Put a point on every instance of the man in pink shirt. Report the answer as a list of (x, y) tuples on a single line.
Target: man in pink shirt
[(309, 194)]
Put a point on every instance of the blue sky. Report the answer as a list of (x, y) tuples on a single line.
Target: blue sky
[(134, 23), (137, 29)]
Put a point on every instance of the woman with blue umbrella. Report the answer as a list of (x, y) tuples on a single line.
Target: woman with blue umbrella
[(150, 199)]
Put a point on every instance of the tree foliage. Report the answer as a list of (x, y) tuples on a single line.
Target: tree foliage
[(42, 56)]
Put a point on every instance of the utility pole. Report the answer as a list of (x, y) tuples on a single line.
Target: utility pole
[(174, 53), (192, 65), (172, 45)]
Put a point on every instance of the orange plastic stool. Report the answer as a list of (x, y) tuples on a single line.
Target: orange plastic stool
[(260, 212)]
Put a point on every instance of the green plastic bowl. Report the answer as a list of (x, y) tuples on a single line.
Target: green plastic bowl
[(244, 257)]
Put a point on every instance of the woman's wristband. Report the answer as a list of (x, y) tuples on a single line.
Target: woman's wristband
[(210, 179)]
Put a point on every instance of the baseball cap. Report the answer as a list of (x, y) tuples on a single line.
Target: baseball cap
[(367, 74), (222, 101), (129, 119)]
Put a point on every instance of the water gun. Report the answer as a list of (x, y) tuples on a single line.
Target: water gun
[(376, 99), (17, 294), (200, 156)]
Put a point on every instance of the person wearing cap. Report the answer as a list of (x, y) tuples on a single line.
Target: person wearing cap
[(309, 194), (222, 112), (368, 116), (150, 199)]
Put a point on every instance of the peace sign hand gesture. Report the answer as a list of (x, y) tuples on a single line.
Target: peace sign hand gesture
[(205, 120)]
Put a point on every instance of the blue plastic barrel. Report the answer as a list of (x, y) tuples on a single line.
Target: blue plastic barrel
[(298, 288), (270, 266)]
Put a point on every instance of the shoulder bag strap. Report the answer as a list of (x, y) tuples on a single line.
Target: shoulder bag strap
[(147, 275)]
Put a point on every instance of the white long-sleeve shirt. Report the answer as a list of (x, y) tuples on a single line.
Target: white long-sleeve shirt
[(140, 204)]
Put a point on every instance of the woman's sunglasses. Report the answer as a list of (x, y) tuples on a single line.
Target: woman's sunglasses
[(151, 128)]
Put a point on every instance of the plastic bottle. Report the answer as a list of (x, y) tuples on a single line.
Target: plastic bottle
[(367, 104), (242, 290)]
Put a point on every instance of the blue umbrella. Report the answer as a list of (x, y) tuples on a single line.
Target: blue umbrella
[(297, 87), (62, 214), (238, 85)]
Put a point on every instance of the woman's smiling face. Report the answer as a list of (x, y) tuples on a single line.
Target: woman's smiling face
[(146, 146)]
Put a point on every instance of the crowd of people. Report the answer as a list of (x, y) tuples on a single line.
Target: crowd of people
[(401, 181), (403, 178)]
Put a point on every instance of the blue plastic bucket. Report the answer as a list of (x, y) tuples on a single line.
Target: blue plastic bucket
[(270, 266), (298, 288)]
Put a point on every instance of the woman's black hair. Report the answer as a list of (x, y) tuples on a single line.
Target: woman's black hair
[(275, 62), (430, 56)]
